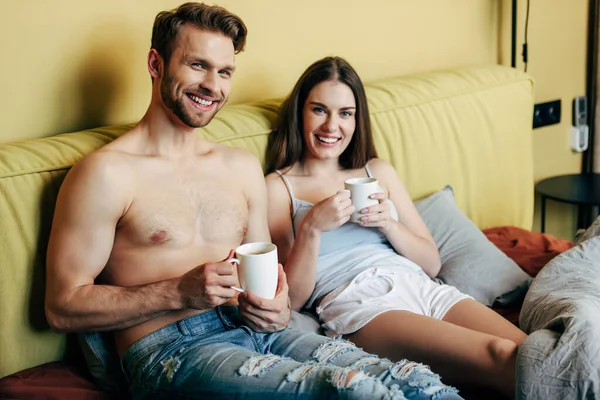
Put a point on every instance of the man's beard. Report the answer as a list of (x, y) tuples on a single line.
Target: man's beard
[(177, 105)]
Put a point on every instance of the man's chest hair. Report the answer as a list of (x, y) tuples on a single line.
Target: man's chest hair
[(194, 212)]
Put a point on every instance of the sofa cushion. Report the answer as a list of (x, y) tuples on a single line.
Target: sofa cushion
[(470, 262)]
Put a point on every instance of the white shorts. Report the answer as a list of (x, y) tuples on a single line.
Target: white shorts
[(377, 290)]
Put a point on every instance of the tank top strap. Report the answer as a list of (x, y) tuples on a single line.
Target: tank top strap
[(369, 174), (287, 184)]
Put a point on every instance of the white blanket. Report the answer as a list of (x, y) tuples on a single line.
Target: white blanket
[(561, 312)]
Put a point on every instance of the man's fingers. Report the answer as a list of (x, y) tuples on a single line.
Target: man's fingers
[(281, 279), (225, 280), (252, 322), (255, 301), (343, 194), (224, 292), (248, 307), (224, 268), (345, 203), (231, 254), (260, 319)]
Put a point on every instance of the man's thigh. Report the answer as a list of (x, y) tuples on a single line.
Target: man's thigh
[(227, 371), (321, 355)]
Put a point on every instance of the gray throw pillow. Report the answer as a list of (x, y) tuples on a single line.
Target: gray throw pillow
[(470, 262), (306, 321)]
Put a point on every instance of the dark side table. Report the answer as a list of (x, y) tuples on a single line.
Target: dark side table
[(580, 189)]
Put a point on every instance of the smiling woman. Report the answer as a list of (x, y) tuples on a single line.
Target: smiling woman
[(368, 278), (328, 119), (348, 102)]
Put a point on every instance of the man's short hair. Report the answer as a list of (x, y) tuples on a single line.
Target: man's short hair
[(211, 18)]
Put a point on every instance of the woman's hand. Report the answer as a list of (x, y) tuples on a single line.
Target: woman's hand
[(379, 214), (332, 212)]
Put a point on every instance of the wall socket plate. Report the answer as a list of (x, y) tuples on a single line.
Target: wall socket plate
[(579, 138), (545, 114)]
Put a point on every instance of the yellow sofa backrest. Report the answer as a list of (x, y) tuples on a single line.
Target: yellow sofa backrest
[(470, 128)]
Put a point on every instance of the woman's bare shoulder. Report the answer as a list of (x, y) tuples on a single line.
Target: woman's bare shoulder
[(379, 166)]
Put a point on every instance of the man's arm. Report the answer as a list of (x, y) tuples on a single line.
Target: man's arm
[(92, 199), (262, 315)]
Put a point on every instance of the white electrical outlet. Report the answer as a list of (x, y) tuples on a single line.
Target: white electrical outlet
[(579, 138)]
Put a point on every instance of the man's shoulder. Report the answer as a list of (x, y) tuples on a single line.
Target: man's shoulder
[(231, 150), (102, 165), (102, 159), (237, 157)]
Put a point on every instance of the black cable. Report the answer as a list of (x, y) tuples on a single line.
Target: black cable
[(525, 55), (513, 35)]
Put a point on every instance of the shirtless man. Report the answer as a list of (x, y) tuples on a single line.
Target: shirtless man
[(142, 231)]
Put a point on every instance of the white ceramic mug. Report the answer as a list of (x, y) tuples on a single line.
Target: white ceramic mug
[(257, 268), (360, 190)]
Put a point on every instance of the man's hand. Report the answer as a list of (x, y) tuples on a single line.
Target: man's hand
[(265, 315), (208, 285)]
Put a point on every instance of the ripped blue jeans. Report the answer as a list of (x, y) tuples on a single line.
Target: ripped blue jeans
[(214, 356)]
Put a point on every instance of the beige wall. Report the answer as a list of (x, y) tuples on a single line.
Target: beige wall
[(73, 64), (557, 41)]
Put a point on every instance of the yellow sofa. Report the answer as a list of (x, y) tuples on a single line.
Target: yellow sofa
[(470, 128)]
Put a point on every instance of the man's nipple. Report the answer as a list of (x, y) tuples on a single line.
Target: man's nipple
[(159, 237)]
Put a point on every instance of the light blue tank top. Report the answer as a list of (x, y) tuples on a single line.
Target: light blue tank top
[(348, 250)]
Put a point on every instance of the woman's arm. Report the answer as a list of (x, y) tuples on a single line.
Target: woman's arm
[(300, 256), (409, 235), (300, 266)]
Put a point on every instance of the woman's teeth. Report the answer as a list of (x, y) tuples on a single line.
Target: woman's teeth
[(327, 140)]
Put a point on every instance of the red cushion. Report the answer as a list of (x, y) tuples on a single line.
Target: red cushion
[(56, 380), (530, 250)]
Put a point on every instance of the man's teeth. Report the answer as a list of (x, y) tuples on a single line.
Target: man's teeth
[(200, 101), (327, 140)]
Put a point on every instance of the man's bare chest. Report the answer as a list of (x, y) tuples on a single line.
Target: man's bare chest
[(186, 212)]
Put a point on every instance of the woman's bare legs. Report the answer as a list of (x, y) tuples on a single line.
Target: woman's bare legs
[(473, 315), (471, 344)]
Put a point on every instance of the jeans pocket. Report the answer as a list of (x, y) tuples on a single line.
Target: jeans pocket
[(229, 316)]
